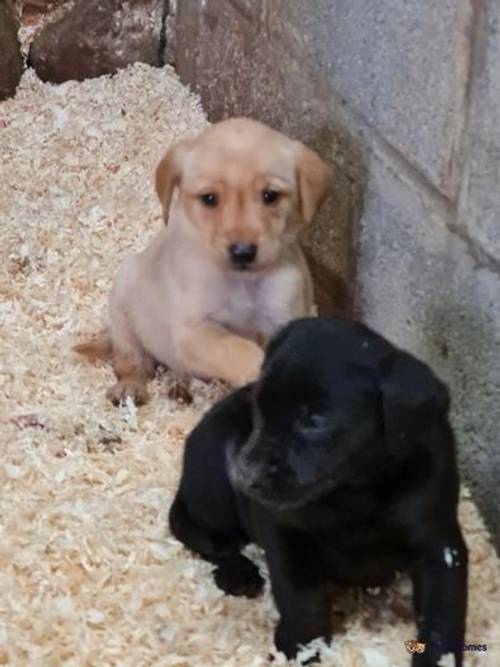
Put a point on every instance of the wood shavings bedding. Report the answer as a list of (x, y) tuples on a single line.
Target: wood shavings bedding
[(89, 576)]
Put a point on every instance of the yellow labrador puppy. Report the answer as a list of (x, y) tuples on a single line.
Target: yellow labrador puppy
[(226, 271)]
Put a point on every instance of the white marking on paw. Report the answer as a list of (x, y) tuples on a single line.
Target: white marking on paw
[(448, 557)]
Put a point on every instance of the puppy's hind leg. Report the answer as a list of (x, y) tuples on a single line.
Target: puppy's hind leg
[(132, 365), (234, 573)]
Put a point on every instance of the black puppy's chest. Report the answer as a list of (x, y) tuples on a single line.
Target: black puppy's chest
[(373, 561), (358, 540), (352, 537)]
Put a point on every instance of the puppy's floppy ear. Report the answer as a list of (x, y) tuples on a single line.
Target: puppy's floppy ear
[(313, 178), (412, 396), (168, 174)]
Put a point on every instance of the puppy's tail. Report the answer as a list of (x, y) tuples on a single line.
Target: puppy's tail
[(99, 347)]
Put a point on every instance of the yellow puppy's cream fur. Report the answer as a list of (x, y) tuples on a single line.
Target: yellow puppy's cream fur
[(182, 302)]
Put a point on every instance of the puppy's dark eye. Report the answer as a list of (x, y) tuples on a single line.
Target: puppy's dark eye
[(209, 199), (311, 422), (270, 196)]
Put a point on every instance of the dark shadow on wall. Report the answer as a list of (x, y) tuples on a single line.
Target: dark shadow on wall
[(240, 67), (461, 345), (330, 242)]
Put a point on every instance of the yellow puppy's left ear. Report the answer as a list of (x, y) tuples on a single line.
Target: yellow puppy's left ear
[(168, 174), (314, 179)]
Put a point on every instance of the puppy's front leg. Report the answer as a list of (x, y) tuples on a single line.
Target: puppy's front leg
[(440, 600), (211, 351), (301, 592), (234, 573), (132, 365), (305, 614)]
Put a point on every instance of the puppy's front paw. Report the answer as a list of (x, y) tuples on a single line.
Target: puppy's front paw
[(239, 576), (125, 388), (249, 369), (180, 393)]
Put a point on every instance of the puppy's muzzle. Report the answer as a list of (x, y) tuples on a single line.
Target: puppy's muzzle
[(242, 255)]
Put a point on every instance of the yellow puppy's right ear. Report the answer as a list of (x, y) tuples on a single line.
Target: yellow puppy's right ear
[(314, 179), (168, 174)]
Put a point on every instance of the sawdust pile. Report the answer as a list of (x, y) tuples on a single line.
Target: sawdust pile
[(89, 575)]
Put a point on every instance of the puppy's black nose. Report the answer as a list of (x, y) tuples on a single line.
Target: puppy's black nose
[(242, 254)]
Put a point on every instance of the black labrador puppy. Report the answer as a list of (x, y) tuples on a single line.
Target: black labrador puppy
[(340, 463)]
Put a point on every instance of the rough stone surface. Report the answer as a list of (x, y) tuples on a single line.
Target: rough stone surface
[(480, 200), (33, 10), (11, 62), (421, 288), (95, 37), (40, 5), (402, 65), (222, 53)]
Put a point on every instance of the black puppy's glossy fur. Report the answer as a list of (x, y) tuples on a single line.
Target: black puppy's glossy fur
[(340, 463)]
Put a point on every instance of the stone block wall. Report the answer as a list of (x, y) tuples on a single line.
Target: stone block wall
[(11, 60), (403, 99)]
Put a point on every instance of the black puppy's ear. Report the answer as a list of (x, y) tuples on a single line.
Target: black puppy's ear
[(412, 396)]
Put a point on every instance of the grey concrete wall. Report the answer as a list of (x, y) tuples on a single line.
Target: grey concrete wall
[(403, 98)]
